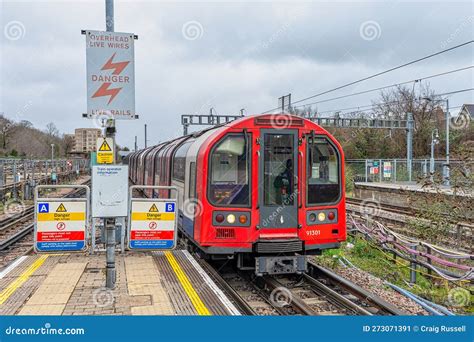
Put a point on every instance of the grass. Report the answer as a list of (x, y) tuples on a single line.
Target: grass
[(367, 257)]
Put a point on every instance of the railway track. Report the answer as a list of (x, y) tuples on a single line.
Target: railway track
[(401, 210), (21, 225), (460, 235), (318, 292), (6, 221)]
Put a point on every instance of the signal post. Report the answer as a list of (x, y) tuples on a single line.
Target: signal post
[(110, 96)]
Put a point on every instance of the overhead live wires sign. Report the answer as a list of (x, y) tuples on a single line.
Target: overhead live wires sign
[(110, 74)]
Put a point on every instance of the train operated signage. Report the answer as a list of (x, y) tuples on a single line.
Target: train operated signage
[(109, 191), (60, 225), (110, 74), (105, 151), (152, 224)]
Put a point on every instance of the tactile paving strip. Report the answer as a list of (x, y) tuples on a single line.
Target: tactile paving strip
[(179, 299), (207, 297), (22, 281)]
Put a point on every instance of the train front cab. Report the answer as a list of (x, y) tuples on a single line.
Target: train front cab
[(276, 194)]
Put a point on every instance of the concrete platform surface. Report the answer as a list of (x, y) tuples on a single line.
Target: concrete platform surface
[(148, 283), (415, 187)]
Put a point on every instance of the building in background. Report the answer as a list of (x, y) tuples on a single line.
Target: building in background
[(85, 140), (468, 110)]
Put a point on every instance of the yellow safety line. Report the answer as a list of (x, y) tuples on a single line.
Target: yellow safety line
[(183, 279), (15, 285)]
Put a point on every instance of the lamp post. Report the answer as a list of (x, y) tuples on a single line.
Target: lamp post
[(52, 164), (434, 141), (446, 176), (446, 168), (52, 156)]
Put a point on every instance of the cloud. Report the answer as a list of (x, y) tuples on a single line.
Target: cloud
[(245, 56)]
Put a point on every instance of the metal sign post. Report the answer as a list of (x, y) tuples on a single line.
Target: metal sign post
[(152, 222), (110, 59), (61, 224), (109, 202)]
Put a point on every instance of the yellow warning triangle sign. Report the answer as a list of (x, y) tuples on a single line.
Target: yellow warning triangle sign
[(153, 209), (61, 209), (105, 146)]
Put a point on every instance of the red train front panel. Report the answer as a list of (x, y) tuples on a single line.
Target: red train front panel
[(295, 186)]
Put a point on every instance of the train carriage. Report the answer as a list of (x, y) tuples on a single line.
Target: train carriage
[(265, 190)]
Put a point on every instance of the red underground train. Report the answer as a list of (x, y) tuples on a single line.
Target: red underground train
[(264, 190)]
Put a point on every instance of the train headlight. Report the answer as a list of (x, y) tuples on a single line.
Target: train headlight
[(243, 219), (219, 218), (321, 217), (312, 217), (231, 218), (331, 216)]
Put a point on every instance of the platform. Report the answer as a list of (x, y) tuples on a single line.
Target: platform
[(148, 283), (403, 194)]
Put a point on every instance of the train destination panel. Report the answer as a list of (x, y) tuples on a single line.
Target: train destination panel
[(153, 224), (60, 226)]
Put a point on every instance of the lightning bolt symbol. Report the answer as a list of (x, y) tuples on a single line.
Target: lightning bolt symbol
[(104, 88), (105, 91), (119, 66)]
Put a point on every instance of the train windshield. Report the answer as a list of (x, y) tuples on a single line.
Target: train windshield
[(278, 174), (323, 172), (229, 176)]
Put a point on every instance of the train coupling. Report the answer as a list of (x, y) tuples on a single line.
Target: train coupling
[(280, 265)]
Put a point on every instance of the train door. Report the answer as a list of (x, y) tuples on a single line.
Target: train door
[(278, 184)]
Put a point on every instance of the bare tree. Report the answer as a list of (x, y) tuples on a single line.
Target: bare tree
[(52, 130), (425, 107), (68, 144)]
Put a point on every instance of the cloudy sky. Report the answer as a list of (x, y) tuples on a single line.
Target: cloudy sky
[(191, 56)]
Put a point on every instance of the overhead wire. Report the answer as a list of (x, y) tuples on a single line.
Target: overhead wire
[(386, 87), (380, 73)]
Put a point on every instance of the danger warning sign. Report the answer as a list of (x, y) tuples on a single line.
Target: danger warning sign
[(105, 146), (110, 74), (60, 226), (152, 225), (61, 209), (105, 151)]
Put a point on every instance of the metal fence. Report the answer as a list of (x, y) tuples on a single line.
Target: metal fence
[(22, 175), (393, 170)]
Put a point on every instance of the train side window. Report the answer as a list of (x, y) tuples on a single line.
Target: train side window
[(192, 180), (179, 161), (323, 173), (229, 172)]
